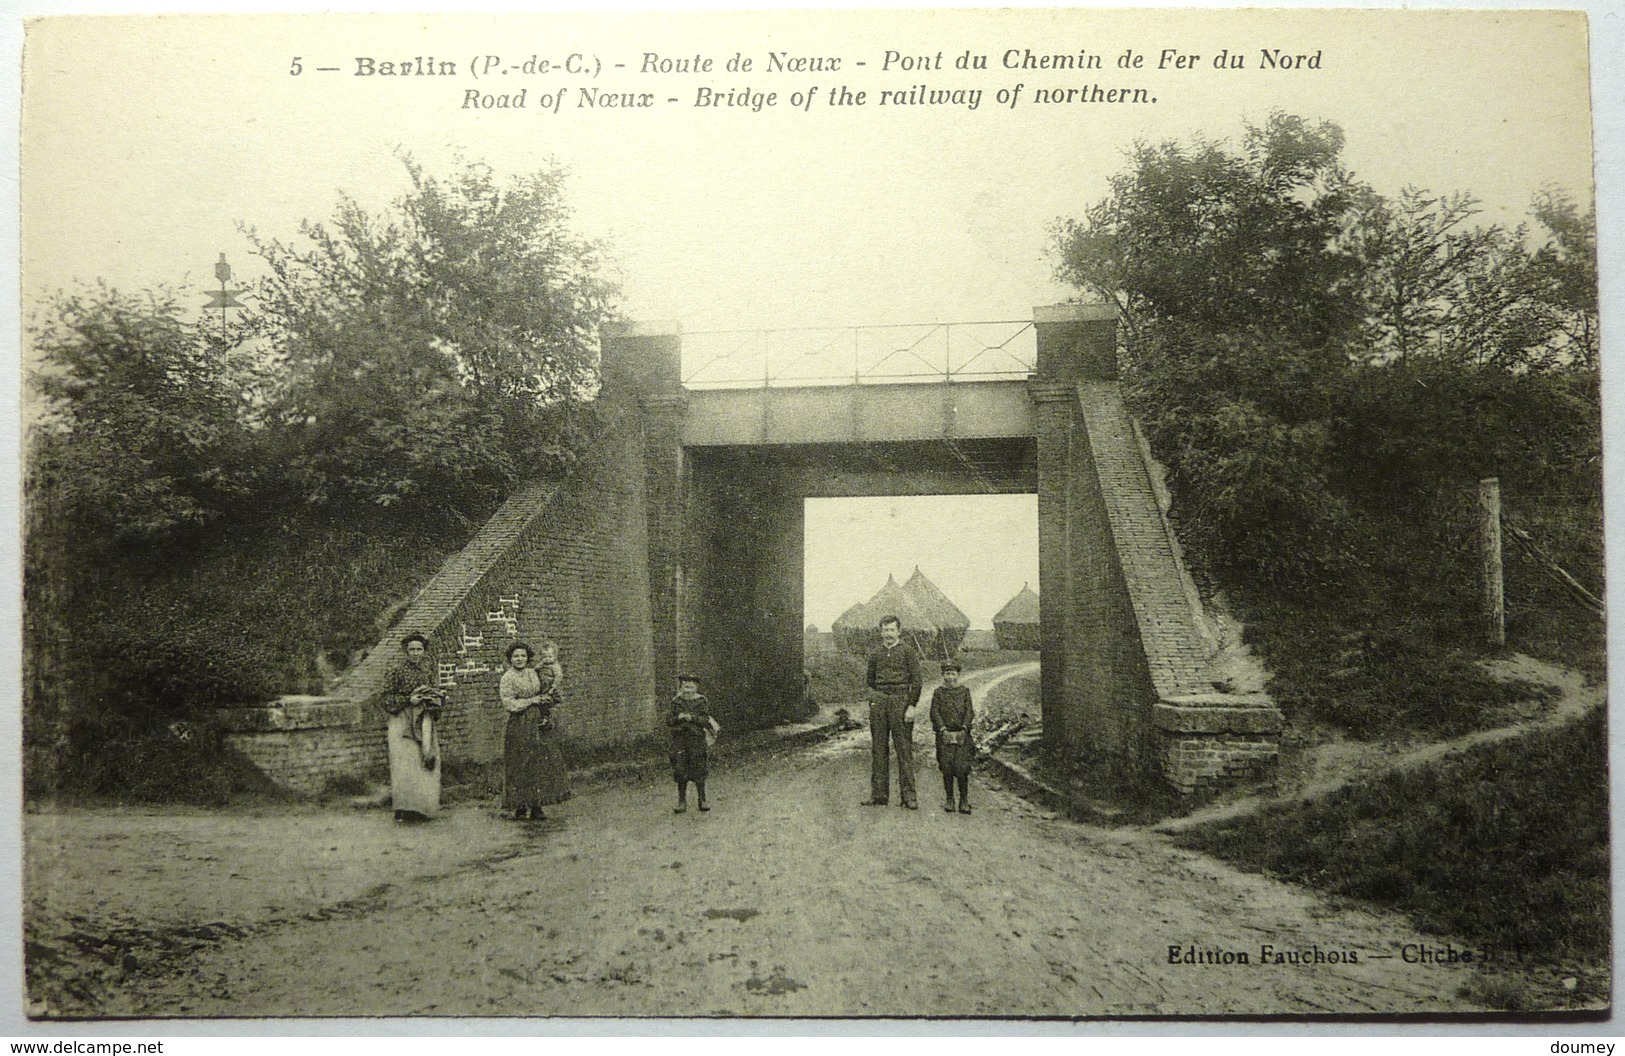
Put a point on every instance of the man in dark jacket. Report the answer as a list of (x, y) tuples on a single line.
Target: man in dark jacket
[(894, 688)]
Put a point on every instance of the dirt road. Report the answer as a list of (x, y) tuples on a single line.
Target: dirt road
[(787, 899)]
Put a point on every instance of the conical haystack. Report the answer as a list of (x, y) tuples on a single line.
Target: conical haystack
[(951, 622), (857, 629), (1016, 625), (850, 624)]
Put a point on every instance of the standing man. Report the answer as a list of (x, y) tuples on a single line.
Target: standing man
[(894, 688)]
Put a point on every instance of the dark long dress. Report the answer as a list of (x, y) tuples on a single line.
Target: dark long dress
[(951, 712), (535, 772)]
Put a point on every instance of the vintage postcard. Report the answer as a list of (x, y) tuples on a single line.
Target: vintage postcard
[(1019, 514)]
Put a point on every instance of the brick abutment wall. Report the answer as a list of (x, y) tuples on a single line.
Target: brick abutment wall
[(304, 742), (1195, 763), (1126, 653), (1206, 741), (565, 561)]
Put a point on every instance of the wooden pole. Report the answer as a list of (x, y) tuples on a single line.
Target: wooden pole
[(1492, 603)]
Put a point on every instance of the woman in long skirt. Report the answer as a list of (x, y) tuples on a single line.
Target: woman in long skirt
[(535, 772), (413, 701)]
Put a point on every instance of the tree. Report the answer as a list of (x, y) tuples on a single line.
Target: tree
[(439, 353), (412, 365), (1325, 372), (137, 447), (138, 432), (1566, 270), (1435, 288), (1237, 286), (1414, 252), (1204, 235)]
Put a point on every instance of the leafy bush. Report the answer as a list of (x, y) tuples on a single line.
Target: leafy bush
[(837, 677), (138, 436), (131, 760)]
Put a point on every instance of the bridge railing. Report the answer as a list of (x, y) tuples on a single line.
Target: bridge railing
[(860, 355)]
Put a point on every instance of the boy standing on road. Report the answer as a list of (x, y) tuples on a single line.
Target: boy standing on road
[(951, 716), (692, 731), (894, 688)]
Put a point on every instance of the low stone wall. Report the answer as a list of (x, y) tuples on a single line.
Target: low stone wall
[(300, 743), (1205, 742)]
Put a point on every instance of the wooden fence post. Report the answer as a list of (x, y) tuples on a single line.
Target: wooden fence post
[(1492, 601)]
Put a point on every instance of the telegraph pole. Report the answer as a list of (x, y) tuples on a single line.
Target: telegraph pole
[(1492, 602), (223, 298)]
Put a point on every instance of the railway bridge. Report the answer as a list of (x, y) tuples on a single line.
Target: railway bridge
[(677, 545), (1125, 648)]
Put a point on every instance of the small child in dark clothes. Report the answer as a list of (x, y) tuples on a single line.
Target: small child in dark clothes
[(951, 716), (692, 732)]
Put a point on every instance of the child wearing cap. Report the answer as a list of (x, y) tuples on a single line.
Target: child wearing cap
[(693, 731), (951, 716)]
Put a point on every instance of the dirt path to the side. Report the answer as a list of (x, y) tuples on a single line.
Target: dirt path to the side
[(788, 899), (1343, 761), (983, 682)]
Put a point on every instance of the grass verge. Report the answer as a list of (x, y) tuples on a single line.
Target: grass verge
[(1503, 846), (1014, 698)]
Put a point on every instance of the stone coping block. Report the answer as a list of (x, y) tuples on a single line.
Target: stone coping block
[(1073, 313), (289, 713), (1218, 713), (1043, 390)]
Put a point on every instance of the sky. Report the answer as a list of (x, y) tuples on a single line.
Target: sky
[(979, 550), (721, 218), (148, 143)]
